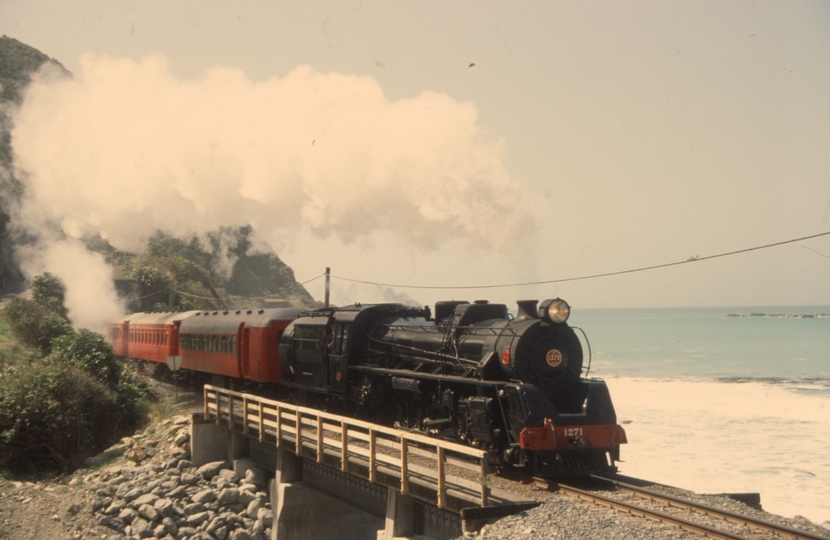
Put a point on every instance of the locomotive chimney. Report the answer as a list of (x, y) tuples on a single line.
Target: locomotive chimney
[(527, 309)]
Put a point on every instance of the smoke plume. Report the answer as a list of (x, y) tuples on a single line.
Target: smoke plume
[(125, 149)]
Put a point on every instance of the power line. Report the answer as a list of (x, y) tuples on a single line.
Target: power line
[(592, 276)]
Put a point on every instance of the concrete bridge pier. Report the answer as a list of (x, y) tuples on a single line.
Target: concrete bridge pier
[(302, 512), (310, 500)]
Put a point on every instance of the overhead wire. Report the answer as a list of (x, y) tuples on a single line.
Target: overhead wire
[(591, 276)]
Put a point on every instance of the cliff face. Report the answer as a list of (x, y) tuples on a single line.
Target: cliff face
[(18, 62)]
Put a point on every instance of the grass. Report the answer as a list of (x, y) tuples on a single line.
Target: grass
[(12, 352)]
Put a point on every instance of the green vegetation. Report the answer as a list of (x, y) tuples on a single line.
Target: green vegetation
[(49, 293), (215, 273), (63, 394), (34, 326)]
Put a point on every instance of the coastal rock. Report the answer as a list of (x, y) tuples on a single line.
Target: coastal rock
[(169, 499), (255, 476), (164, 507), (209, 470), (204, 496), (189, 479), (228, 496), (148, 512), (147, 498), (229, 475)]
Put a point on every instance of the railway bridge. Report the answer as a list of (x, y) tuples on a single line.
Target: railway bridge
[(337, 477)]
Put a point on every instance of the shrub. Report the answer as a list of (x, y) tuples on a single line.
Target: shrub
[(49, 292), (91, 353), (52, 415), (34, 325)]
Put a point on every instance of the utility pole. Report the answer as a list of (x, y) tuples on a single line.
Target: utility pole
[(328, 277)]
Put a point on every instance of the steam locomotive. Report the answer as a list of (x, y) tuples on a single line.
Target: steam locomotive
[(471, 373)]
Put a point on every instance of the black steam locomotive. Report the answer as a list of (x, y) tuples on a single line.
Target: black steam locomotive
[(471, 373)]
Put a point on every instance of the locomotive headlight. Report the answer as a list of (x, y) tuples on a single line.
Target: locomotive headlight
[(554, 311)]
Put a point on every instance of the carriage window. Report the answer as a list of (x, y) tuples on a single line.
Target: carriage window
[(233, 344)]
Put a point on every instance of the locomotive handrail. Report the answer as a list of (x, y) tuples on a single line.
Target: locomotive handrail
[(438, 329), (440, 357), (311, 433)]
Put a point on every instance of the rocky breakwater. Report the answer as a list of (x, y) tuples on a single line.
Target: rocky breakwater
[(179, 501), (166, 497)]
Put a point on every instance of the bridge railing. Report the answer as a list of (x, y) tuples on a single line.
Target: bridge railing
[(415, 462)]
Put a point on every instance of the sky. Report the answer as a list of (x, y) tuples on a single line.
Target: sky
[(444, 144)]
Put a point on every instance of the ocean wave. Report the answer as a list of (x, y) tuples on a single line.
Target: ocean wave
[(818, 386), (809, 381)]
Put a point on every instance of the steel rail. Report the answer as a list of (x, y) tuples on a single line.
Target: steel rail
[(706, 509), (654, 515)]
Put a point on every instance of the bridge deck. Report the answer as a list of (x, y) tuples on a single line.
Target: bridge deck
[(438, 472)]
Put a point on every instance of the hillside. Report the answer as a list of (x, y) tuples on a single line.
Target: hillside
[(173, 274), (18, 62)]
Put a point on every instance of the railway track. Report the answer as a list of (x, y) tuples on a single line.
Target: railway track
[(708, 521), (705, 520)]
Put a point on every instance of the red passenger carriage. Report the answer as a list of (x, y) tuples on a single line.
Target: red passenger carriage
[(148, 336), (241, 344)]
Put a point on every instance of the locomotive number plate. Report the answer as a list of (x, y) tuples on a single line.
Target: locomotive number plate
[(553, 358), (572, 432)]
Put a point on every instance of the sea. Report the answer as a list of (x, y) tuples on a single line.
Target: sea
[(721, 400)]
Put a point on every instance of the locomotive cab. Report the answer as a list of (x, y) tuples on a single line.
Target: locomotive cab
[(317, 347)]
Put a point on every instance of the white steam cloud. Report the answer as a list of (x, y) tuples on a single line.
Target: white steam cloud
[(125, 149)]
